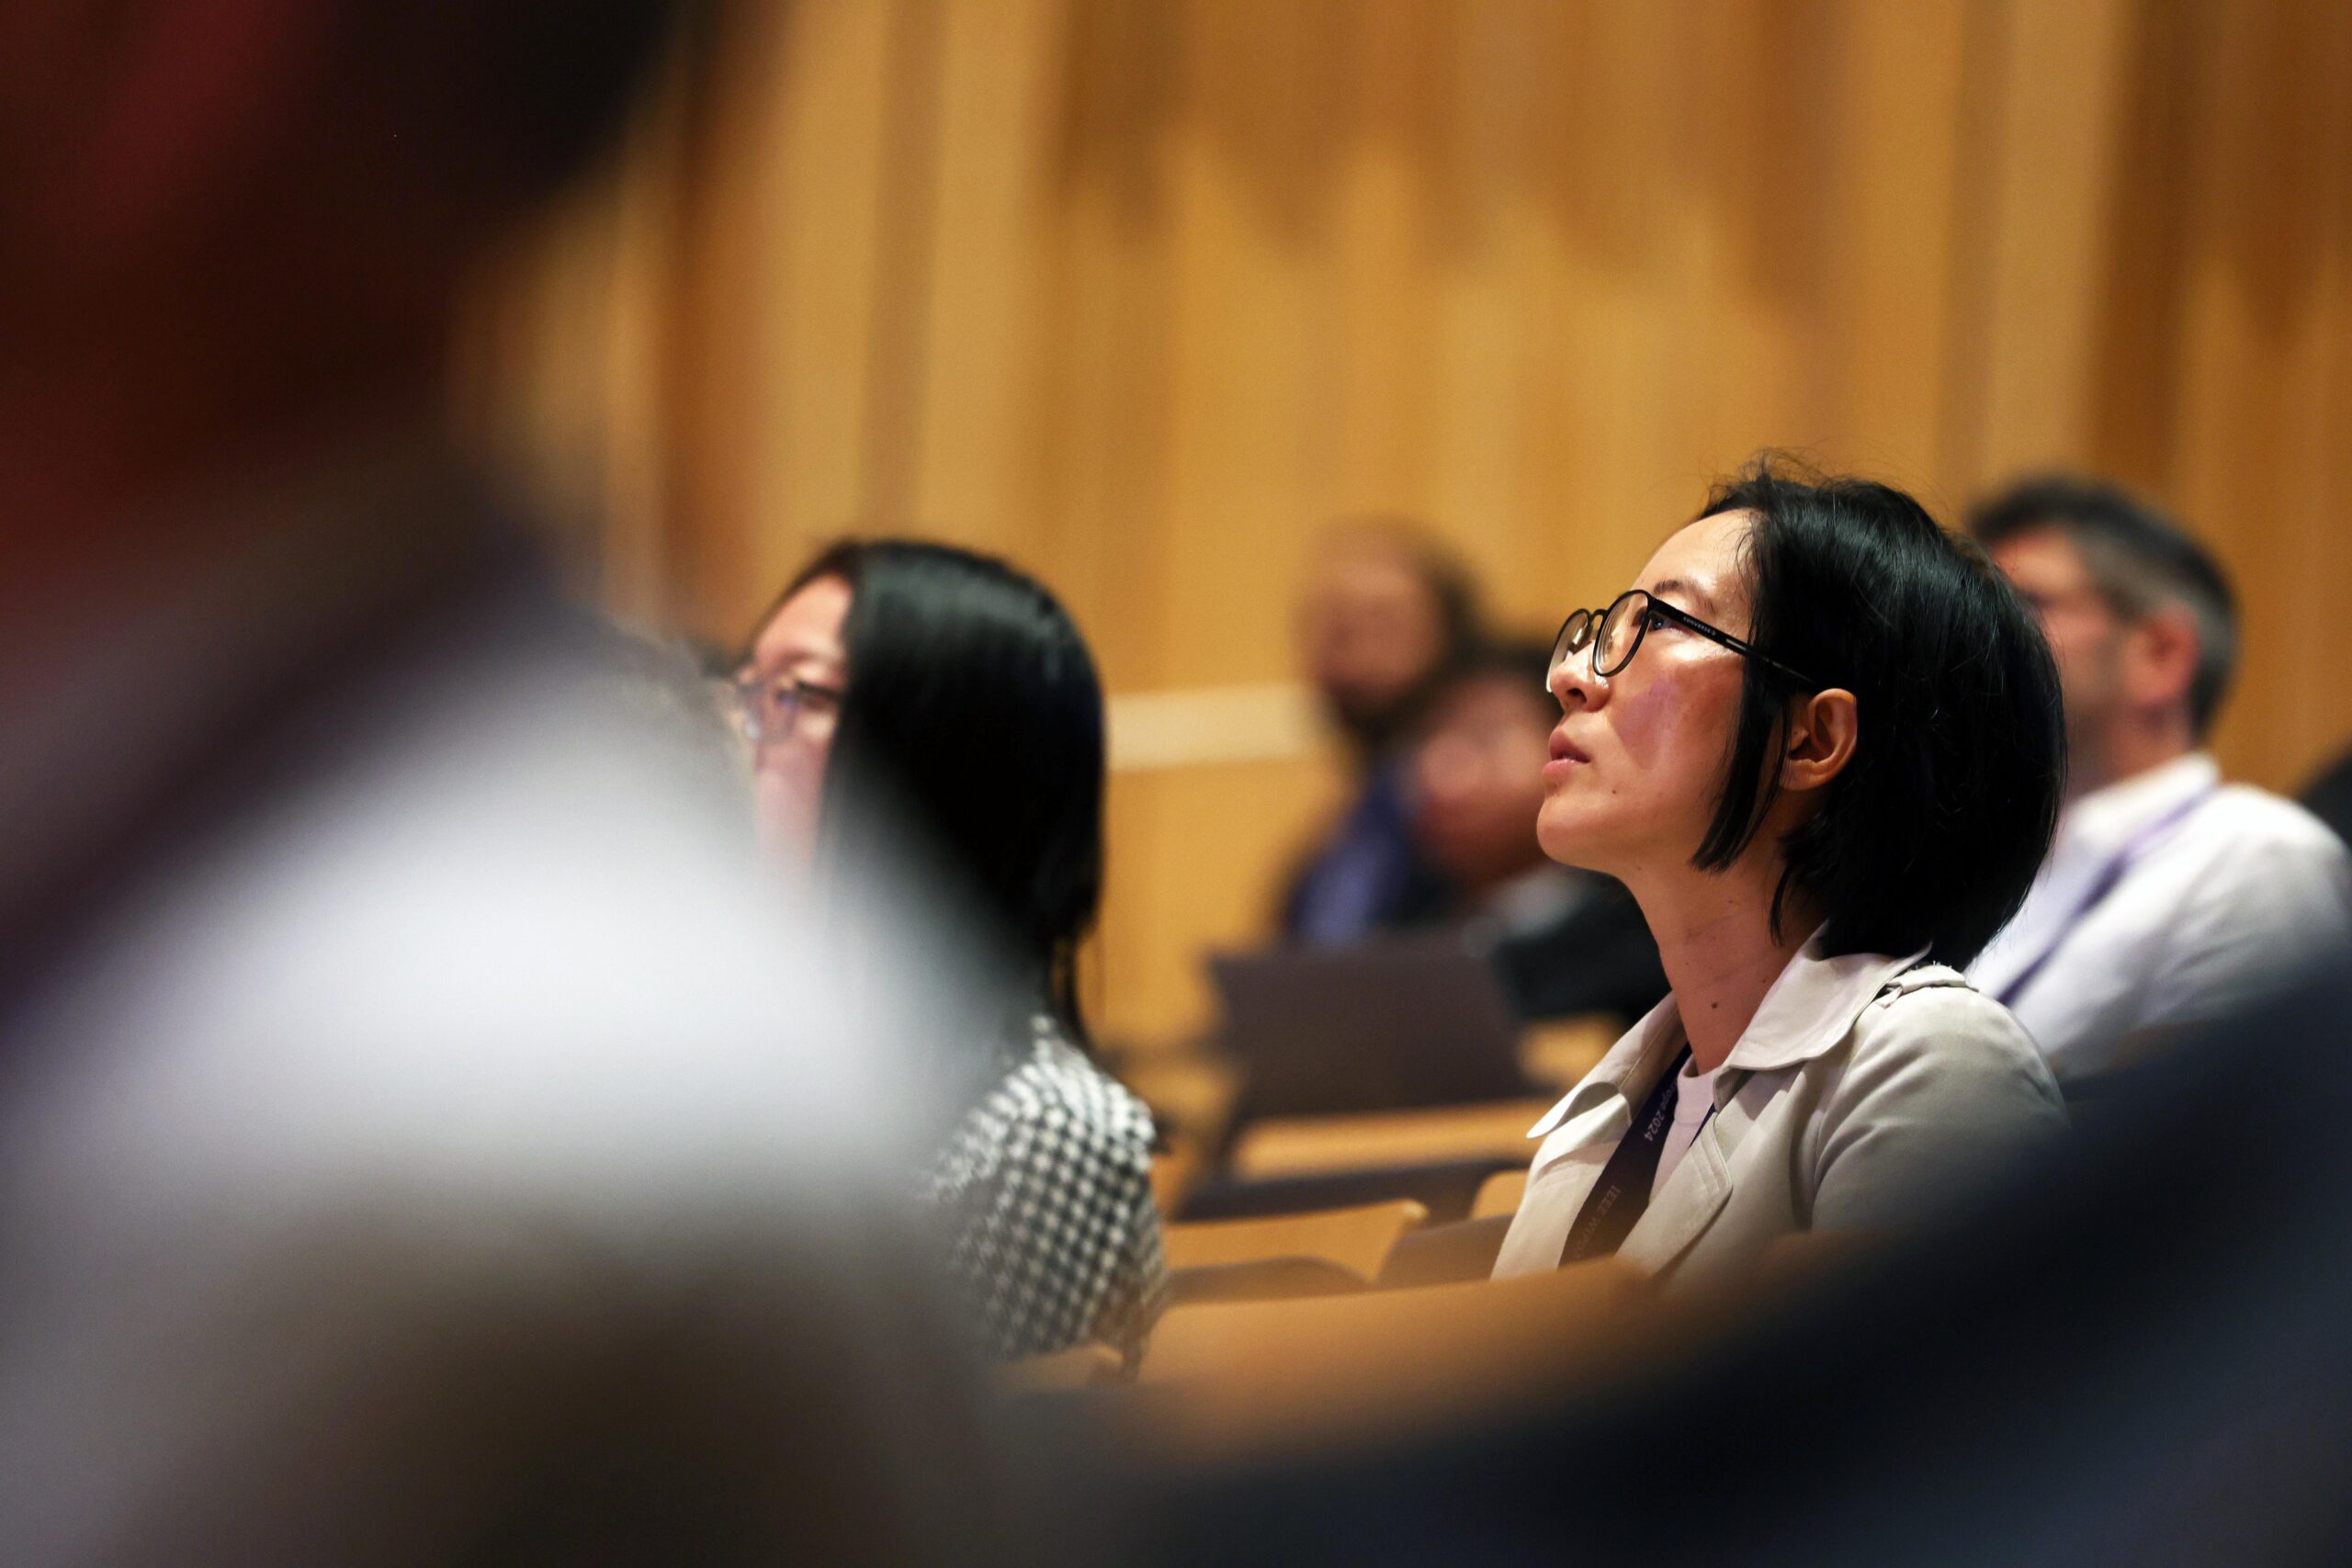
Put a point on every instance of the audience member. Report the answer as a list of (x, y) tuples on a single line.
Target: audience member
[(403, 1156), (1751, 742), (2168, 896), (1565, 941), (1385, 615), (925, 713)]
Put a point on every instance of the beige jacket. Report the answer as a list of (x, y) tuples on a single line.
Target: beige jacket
[(1866, 1092)]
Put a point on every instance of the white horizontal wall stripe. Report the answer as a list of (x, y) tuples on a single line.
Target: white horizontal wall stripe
[(1204, 725)]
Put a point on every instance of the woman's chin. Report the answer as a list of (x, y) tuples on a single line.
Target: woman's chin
[(1591, 832), (1566, 843)]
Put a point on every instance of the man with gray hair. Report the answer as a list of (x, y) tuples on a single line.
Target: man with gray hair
[(2168, 896)]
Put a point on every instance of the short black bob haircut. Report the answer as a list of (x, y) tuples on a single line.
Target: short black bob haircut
[(1933, 833), (972, 735)]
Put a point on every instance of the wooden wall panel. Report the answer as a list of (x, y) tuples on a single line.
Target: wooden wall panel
[(1143, 292)]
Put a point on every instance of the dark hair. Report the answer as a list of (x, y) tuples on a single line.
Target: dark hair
[(2139, 559), (974, 725), (501, 103), (1932, 834)]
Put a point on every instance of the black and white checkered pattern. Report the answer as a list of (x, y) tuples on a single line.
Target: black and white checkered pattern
[(1046, 1191)]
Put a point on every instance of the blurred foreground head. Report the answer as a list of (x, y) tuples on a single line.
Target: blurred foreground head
[(230, 229), (419, 1140), (1385, 611)]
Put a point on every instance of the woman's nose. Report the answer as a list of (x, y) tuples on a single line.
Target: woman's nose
[(1574, 683)]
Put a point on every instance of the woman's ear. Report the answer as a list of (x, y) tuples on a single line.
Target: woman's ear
[(1822, 732)]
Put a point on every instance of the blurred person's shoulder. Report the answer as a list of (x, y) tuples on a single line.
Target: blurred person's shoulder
[(2255, 820), (2237, 837), (2250, 867), (1057, 1078), (1047, 1086)]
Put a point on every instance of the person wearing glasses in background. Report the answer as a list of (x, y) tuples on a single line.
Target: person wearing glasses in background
[(2170, 897), (930, 719), (1821, 745)]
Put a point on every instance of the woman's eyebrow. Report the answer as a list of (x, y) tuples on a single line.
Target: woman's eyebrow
[(799, 661), (1676, 585), (820, 659)]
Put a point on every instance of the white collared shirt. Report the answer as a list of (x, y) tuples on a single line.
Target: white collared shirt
[(2239, 891), (1694, 1102), (1866, 1090)]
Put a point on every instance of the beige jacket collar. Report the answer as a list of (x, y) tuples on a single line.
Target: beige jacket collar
[(1808, 1009), (1812, 1006)]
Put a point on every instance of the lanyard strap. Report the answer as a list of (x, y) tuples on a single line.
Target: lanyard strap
[(1623, 1193), (2110, 878)]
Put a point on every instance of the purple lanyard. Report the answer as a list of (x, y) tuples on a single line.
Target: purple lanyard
[(1619, 1199), (2139, 844)]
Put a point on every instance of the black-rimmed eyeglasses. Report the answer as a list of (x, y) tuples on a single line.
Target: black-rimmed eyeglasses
[(1615, 635), (769, 711)]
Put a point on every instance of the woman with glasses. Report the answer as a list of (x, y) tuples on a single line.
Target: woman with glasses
[(1820, 742), (931, 719)]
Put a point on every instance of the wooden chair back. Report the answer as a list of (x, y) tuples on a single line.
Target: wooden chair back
[(1357, 1239), (1313, 1146)]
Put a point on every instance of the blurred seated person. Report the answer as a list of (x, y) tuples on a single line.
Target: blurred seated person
[(2168, 896), (1754, 740), (918, 710), (1565, 941), (1385, 615)]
